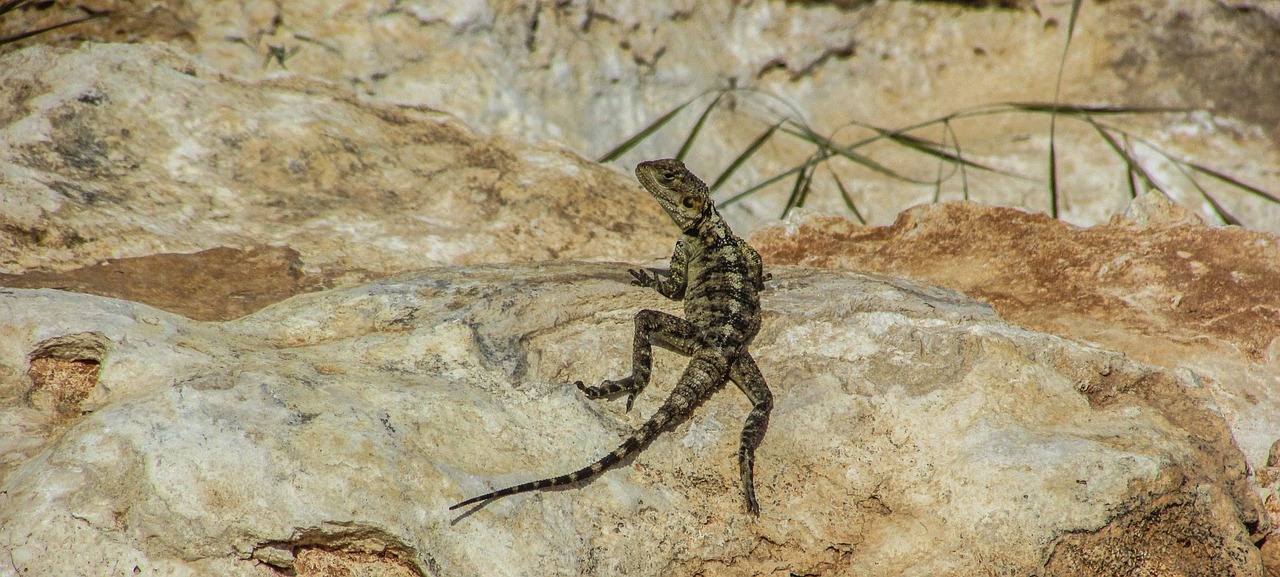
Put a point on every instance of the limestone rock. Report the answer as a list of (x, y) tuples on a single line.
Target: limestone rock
[(590, 74), (1157, 285), (124, 151), (1155, 209), (914, 433)]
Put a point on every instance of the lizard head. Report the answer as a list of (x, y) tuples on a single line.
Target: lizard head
[(680, 193)]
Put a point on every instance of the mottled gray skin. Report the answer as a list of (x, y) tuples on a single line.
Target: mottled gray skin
[(719, 278)]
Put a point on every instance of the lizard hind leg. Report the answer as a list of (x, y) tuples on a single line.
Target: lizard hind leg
[(747, 376), (652, 327)]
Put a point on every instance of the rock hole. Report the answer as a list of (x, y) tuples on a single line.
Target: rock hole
[(341, 550), (64, 371), (320, 562)]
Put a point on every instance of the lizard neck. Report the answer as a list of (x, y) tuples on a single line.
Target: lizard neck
[(710, 228)]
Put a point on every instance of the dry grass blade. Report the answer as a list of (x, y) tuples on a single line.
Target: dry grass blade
[(9, 5), (767, 182), (937, 181), (646, 132), (1129, 173), (1087, 110), (745, 154), (931, 148), (1131, 162), (800, 191), (948, 152), (1053, 114), (1125, 152), (940, 151), (1053, 176), (955, 139), (1232, 181), (823, 143), (14, 4), (1213, 202), (24, 35), (1071, 28), (697, 127), (848, 200)]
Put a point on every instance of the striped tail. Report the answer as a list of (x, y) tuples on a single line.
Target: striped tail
[(585, 473), (699, 378)]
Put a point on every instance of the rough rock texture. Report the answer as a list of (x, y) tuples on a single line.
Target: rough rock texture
[(590, 73), (1155, 284), (123, 151), (1168, 291), (915, 433)]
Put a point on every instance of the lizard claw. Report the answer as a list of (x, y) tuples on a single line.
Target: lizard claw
[(642, 277)]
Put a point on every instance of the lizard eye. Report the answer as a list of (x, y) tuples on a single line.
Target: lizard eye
[(667, 178)]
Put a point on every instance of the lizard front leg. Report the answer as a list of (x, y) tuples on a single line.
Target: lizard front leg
[(673, 286), (652, 327)]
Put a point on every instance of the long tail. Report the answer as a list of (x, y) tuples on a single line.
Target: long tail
[(687, 395), (627, 447)]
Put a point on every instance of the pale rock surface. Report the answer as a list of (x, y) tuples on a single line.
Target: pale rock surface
[(591, 73), (915, 433), (118, 151), (1155, 284)]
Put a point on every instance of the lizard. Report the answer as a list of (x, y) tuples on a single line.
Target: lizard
[(719, 278)]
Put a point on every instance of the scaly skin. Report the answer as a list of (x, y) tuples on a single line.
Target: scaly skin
[(719, 278)]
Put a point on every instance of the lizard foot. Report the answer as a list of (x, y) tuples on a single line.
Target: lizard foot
[(610, 388), (643, 278)]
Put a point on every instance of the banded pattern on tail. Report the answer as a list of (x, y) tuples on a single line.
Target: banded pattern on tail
[(584, 473)]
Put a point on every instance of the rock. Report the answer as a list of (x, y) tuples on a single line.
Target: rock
[(215, 284), (125, 151), (1163, 289), (64, 372), (914, 433), (590, 74), (1154, 208)]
